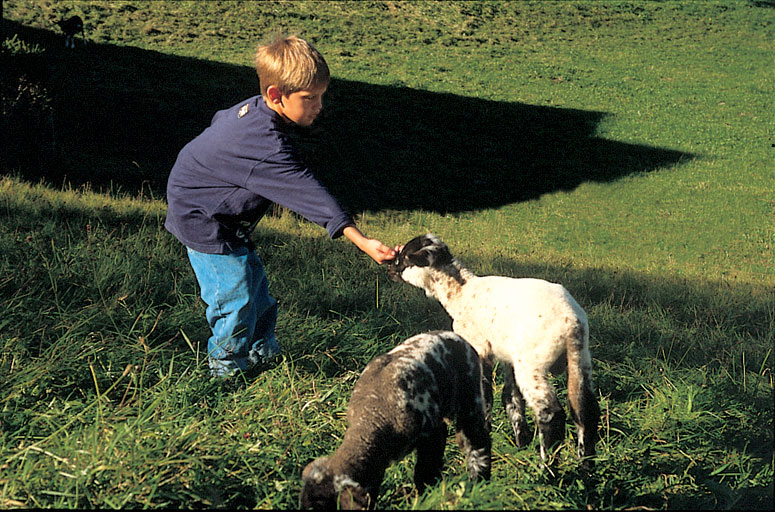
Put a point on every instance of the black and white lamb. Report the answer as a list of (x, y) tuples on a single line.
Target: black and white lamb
[(531, 325), (72, 26), (399, 404)]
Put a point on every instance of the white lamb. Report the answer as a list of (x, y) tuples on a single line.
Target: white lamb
[(531, 325)]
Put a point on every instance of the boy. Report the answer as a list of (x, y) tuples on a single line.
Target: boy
[(225, 180)]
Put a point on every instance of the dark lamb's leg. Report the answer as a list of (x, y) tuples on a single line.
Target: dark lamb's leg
[(487, 378), (430, 457), (473, 429), (473, 437)]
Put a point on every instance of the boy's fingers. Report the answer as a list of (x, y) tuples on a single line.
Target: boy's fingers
[(391, 253), (384, 253), (380, 252)]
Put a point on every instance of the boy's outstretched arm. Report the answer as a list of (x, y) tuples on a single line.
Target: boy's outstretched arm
[(376, 250)]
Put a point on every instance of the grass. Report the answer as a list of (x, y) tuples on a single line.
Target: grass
[(620, 148)]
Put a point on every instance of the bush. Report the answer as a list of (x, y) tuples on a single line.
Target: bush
[(28, 121)]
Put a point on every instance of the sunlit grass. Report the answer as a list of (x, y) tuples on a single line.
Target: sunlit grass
[(106, 401)]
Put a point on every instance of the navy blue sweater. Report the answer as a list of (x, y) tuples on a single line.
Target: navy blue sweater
[(225, 179)]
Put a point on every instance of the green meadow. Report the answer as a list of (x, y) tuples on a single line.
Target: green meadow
[(623, 149)]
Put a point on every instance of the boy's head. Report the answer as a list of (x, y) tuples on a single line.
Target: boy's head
[(291, 64)]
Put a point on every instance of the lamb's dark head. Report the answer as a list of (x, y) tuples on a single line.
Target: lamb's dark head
[(71, 25), (423, 251), (322, 490)]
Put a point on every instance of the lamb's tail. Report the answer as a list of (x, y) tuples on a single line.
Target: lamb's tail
[(585, 410)]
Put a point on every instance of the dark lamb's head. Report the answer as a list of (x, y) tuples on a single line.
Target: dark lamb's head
[(322, 490)]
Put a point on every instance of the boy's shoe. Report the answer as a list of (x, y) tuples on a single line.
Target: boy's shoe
[(223, 368), (264, 364), (264, 356), (236, 382), (227, 369)]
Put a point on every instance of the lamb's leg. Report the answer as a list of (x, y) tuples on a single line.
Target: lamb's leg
[(487, 379), (585, 410), (430, 457), (472, 422), (473, 438), (514, 404), (541, 398)]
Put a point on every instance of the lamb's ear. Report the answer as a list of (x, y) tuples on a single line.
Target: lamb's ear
[(354, 497), (421, 258), (431, 255), (316, 471)]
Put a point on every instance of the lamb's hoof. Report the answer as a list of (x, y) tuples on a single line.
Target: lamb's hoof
[(522, 436), (587, 463)]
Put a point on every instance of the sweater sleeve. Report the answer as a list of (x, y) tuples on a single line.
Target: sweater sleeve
[(283, 179)]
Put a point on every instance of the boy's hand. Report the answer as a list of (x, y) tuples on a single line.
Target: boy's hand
[(376, 250)]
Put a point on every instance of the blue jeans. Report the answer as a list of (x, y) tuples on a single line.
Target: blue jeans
[(240, 311)]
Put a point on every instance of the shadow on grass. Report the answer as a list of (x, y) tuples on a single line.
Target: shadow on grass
[(121, 114), (701, 328)]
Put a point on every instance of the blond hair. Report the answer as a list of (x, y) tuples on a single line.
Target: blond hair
[(291, 64)]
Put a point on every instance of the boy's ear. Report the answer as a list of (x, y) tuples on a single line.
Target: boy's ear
[(273, 94)]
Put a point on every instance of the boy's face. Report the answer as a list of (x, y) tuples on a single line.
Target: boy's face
[(300, 107)]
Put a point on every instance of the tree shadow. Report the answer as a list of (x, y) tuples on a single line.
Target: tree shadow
[(385, 147), (121, 114)]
